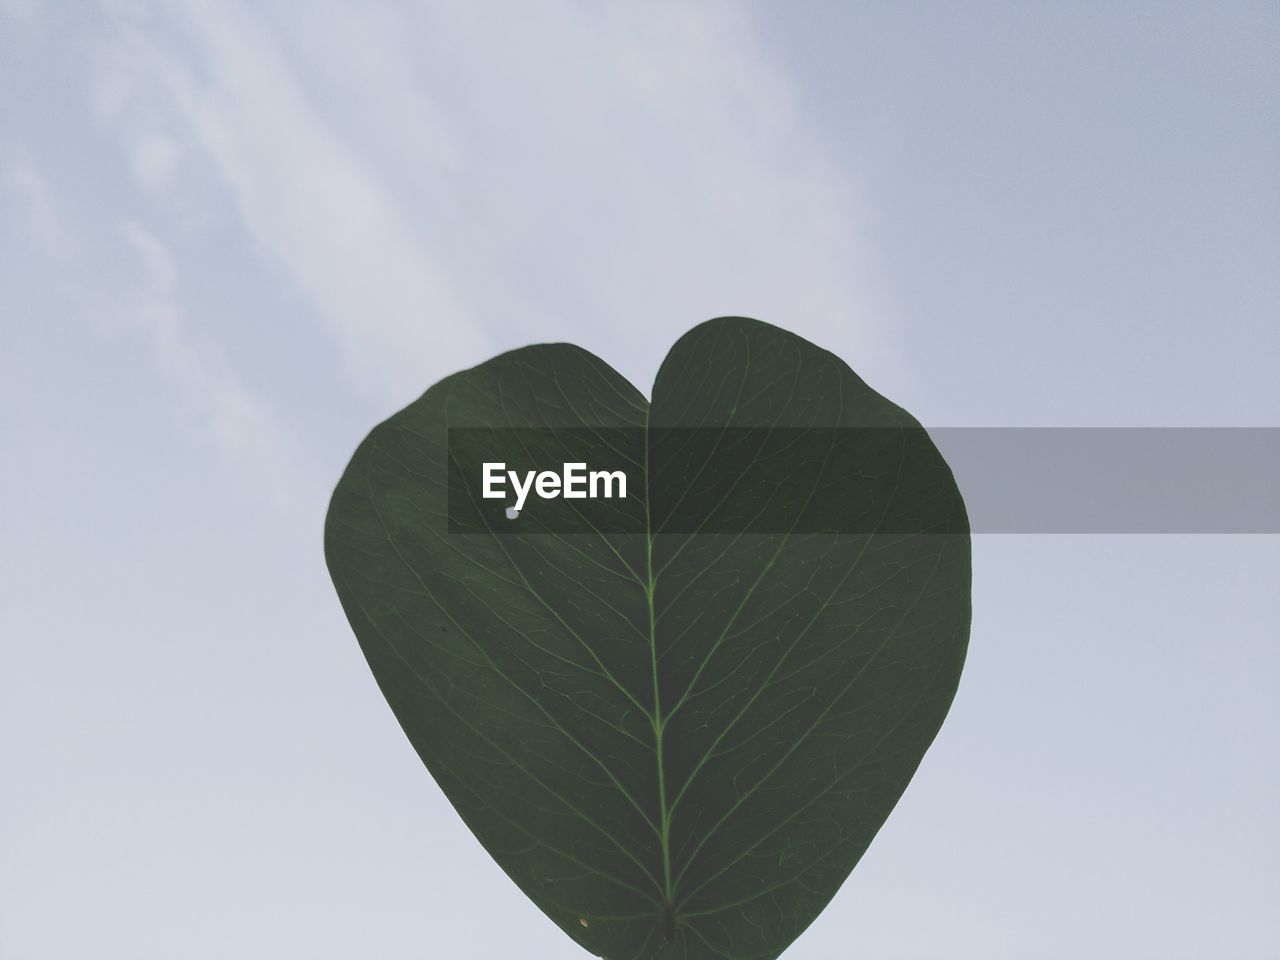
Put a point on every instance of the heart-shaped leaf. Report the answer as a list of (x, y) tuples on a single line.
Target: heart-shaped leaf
[(675, 734)]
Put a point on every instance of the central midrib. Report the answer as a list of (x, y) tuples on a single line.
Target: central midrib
[(659, 721)]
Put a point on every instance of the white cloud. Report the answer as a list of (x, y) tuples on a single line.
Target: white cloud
[(632, 169), (311, 205), (153, 159), (440, 181), (219, 401), (50, 229)]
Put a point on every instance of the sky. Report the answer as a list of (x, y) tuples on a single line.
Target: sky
[(235, 236)]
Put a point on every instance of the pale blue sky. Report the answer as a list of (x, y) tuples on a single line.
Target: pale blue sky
[(233, 236)]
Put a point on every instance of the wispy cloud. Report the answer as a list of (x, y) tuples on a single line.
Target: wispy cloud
[(309, 202), (51, 231), (220, 402), (440, 182)]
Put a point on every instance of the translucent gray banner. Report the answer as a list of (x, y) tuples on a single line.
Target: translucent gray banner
[(871, 479), (1117, 480)]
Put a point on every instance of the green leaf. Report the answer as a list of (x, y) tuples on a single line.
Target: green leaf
[(678, 743)]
